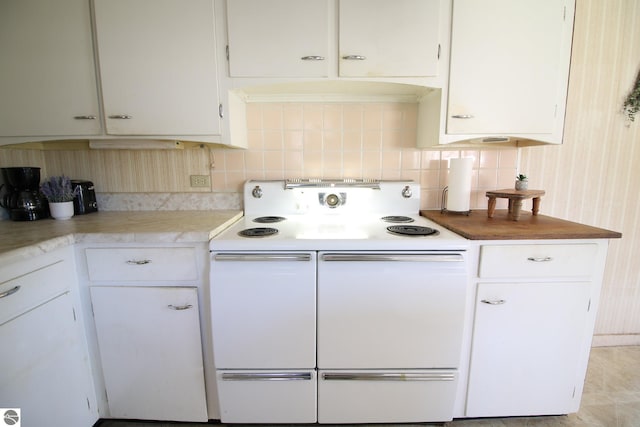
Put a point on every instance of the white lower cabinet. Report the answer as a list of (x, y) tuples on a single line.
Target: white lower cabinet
[(270, 396), (44, 370), (527, 348), (45, 365), (532, 327), (151, 351)]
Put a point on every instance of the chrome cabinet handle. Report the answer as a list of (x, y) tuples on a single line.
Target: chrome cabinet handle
[(10, 291), (313, 58), (272, 376), (388, 377), (139, 261), (493, 301), (262, 257), (85, 117), (462, 116), (220, 111), (121, 116), (540, 259), (180, 307), (354, 57)]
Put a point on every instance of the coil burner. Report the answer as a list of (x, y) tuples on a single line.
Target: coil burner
[(269, 219), (258, 232), (397, 219), (412, 230)]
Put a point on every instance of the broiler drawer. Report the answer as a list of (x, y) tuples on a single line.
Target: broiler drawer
[(372, 396), (142, 264), (267, 396), (519, 261)]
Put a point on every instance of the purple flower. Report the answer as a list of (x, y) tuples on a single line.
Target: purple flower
[(58, 189)]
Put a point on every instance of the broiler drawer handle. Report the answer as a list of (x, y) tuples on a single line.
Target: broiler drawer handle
[(275, 376)]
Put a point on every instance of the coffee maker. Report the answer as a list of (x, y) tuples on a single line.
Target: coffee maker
[(20, 194)]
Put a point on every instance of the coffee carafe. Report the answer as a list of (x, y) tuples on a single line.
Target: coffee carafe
[(20, 194)]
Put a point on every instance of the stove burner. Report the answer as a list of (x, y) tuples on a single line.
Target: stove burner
[(397, 219), (258, 232), (412, 230), (269, 219)]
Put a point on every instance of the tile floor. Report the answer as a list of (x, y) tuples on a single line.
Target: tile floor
[(611, 398)]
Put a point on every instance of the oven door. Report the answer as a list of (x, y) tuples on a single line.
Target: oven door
[(389, 335), (390, 310), (263, 308)]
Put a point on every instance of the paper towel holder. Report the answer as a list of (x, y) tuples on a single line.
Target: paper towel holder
[(443, 204)]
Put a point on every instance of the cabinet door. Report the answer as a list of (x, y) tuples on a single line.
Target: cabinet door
[(278, 38), (47, 72), (45, 369), (158, 66), (527, 343), (509, 66), (151, 352), (383, 38)]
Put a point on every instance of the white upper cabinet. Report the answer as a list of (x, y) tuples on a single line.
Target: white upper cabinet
[(158, 66), (509, 68), (278, 38), (382, 38), (47, 72), (311, 38)]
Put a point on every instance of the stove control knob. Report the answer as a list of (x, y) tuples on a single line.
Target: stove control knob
[(333, 200), (257, 192), (406, 192)]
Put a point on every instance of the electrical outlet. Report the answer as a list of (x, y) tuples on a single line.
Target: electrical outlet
[(200, 180)]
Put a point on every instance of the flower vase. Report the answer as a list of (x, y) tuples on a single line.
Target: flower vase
[(522, 185), (61, 210)]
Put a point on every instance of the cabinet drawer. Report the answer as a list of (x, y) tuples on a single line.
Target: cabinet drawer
[(32, 289), (142, 264), (537, 260)]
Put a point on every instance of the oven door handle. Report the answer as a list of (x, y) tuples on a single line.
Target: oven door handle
[(440, 257), (261, 257), (388, 376)]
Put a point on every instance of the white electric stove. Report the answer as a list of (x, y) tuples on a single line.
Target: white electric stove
[(336, 302), (334, 215)]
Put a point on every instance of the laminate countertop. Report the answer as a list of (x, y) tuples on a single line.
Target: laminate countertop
[(23, 239), (477, 226)]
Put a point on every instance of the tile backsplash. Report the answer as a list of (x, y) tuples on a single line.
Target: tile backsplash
[(286, 140), (363, 140)]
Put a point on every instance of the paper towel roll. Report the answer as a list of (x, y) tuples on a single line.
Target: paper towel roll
[(459, 192)]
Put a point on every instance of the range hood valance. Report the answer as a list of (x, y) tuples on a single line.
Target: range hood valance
[(334, 91)]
